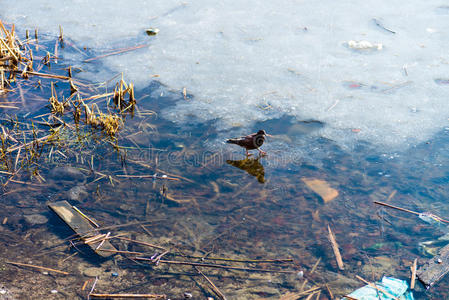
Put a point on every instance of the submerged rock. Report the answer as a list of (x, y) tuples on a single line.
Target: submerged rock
[(67, 173), (77, 193), (36, 219), (92, 272)]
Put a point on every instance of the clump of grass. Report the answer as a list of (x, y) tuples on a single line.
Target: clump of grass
[(109, 123), (74, 114), (57, 107), (120, 91), (15, 57)]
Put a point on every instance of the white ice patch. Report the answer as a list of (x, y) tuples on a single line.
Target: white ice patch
[(248, 61)]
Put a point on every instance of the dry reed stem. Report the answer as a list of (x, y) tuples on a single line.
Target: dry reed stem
[(37, 267), (335, 249), (413, 279)]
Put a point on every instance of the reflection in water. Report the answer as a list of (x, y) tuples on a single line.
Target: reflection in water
[(252, 166)]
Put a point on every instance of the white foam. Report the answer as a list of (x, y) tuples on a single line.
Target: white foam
[(247, 61)]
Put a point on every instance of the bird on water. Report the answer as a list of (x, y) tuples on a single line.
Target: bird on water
[(251, 142)]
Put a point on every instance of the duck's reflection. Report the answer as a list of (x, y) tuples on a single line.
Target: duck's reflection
[(252, 166)]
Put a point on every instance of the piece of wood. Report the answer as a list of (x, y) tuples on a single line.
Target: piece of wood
[(435, 268), (412, 280), (81, 226), (322, 188), (437, 218), (335, 248)]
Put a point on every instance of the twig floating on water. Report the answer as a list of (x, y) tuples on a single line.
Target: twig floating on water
[(378, 23)]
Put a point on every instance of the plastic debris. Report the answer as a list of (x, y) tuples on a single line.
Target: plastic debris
[(364, 45), (433, 220), (395, 287)]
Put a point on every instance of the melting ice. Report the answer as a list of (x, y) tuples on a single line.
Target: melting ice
[(249, 61)]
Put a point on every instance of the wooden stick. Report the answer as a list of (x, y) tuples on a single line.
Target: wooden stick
[(335, 248), (214, 287), (408, 210), (216, 266), (376, 287), (396, 207), (412, 281), (312, 290), (102, 242), (94, 238), (85, 217), (127, 296), (37, 267)]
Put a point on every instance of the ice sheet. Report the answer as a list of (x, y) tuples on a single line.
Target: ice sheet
[(249, 61)]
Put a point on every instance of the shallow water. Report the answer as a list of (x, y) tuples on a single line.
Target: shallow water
[(259, 208)]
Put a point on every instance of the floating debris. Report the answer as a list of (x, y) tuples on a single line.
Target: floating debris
[(83, 227), (442, 81), (364, 45), (380, 25), (152, 31), (388, 288), (434, 268)]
